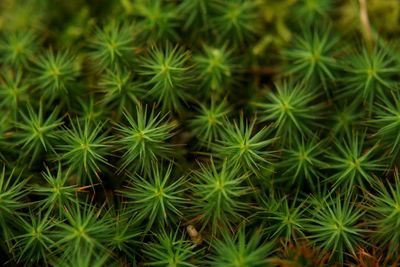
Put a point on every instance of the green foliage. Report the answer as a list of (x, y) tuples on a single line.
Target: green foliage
[(12, 194), (168, 76), (302, 162), (84, 148), (313, 10), (312, 58), (199, 133), (119, 90), (347, 117), (90, 111), (385, 215), (13, 90), (144, 140), (196, 13), (387, 124), (85, 227), (284, 218), (240, 250), (37, 239), (209, 121), (126, 233), (244, 146), (4, 129), (291, 109), (157, 198), (168, 249), (85, 257), (36, 133), (219, 195), (111, 45), (54, 73), (55, 193), (157, 20), (235, 21), (370, 73), (17, 48), (351, 164), (216, 69), (335, 226)]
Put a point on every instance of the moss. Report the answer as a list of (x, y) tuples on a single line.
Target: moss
[(199, 133)]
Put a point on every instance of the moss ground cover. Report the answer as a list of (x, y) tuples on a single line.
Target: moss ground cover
[(177, 133)]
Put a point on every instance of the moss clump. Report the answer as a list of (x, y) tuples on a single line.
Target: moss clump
[(199, 133)]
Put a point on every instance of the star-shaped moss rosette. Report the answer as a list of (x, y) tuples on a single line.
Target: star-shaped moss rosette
[(199, 133)]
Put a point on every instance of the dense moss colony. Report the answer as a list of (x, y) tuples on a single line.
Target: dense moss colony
[(226, 133)]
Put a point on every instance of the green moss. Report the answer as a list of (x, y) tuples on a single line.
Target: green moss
[(199, 133)]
